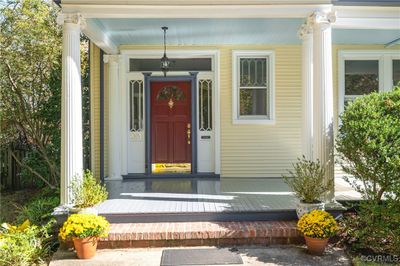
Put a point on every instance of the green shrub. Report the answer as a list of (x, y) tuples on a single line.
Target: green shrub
[(307, 181), (369, 148), (25, 245), (88, 192), (39, 210), (369, 144)]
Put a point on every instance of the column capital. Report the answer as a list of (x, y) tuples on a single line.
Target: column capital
[(305, 31), (73, 18), (318, 17), (111, 58)]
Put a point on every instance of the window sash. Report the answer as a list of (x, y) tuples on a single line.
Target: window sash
[(240, 88)]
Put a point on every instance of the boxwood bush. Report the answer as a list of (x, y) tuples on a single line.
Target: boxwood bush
[(368, 143)]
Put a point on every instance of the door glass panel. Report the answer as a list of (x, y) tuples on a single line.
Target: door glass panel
[(171, 92), (181, 64), (361, 77), (396, 72), (205, 104)]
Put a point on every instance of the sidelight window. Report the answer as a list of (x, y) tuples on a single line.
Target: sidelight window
[(136, 105)]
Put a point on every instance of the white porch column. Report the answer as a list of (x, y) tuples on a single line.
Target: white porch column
[(306, 35), (71, 104), (323, 147), (114, 144)]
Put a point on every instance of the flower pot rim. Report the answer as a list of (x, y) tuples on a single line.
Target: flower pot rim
[(316, 202), (317, 237)]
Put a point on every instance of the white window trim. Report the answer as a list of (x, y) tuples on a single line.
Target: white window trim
[(253, 120), (384, 57)]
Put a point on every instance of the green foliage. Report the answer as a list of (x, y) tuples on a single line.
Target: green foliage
[(26, 245), (369, 144), (307, 181), (30, 61), (88, 192), (369, 148), (375, 227), (39, 210)]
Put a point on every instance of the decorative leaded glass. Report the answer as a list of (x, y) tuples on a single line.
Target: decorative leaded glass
[(253, 72), (170, 92), (205, 104), (136, 105)]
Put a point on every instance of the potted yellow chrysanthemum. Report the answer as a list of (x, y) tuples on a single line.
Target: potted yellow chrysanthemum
[(317, 227), (84, 230)]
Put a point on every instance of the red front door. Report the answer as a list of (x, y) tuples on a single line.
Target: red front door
[(171, 122)]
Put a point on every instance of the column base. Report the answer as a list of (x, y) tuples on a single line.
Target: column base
[(61, 213)]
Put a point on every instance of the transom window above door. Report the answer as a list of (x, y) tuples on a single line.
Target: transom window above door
[(253, 87), (364, 72)]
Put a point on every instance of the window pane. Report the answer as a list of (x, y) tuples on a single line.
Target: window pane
[(361, 76), (136, 105), (253, 72), (205, 104), (253, 102), (396, 72)]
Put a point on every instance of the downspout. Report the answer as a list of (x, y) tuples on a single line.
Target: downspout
[(102, 116)]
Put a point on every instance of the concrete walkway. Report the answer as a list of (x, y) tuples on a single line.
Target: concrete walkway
[(273, 255)]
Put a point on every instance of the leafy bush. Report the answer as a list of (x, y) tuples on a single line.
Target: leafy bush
[(39, 210), (307, 181), (88, 192), (25, 244), (369, 148), (369, 144), (84, 225)]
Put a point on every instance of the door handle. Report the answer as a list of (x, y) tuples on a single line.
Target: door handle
[(188, 132)]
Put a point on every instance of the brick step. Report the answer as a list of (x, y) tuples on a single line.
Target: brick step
[(128, 235)]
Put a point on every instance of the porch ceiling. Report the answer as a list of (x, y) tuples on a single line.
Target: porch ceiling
[(225, 31)]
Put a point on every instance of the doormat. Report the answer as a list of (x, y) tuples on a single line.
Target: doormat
[(200, 256)]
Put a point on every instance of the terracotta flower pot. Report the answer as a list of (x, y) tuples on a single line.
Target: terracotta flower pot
[(316, 246), (85, 247)]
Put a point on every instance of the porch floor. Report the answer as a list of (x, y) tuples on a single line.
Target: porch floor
[(213, 199)]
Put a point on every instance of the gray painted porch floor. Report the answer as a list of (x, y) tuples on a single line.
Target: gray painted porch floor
[(205, 196)]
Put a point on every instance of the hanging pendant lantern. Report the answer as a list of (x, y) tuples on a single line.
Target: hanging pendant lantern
[(165, 63)]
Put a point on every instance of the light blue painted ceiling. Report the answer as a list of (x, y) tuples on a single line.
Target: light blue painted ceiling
[(227, 31), (357, 36)]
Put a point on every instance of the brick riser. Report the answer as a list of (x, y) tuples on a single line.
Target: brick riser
[(129, 235)]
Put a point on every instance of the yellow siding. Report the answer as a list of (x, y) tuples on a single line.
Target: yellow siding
[(95, 111)]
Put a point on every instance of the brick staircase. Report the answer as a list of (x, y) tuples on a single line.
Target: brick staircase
[(168, 234)]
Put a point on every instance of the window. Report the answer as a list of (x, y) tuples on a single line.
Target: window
[(361, 77), (253, 87), (136, 105), (364, 72), (396, 72), (205, 104)]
